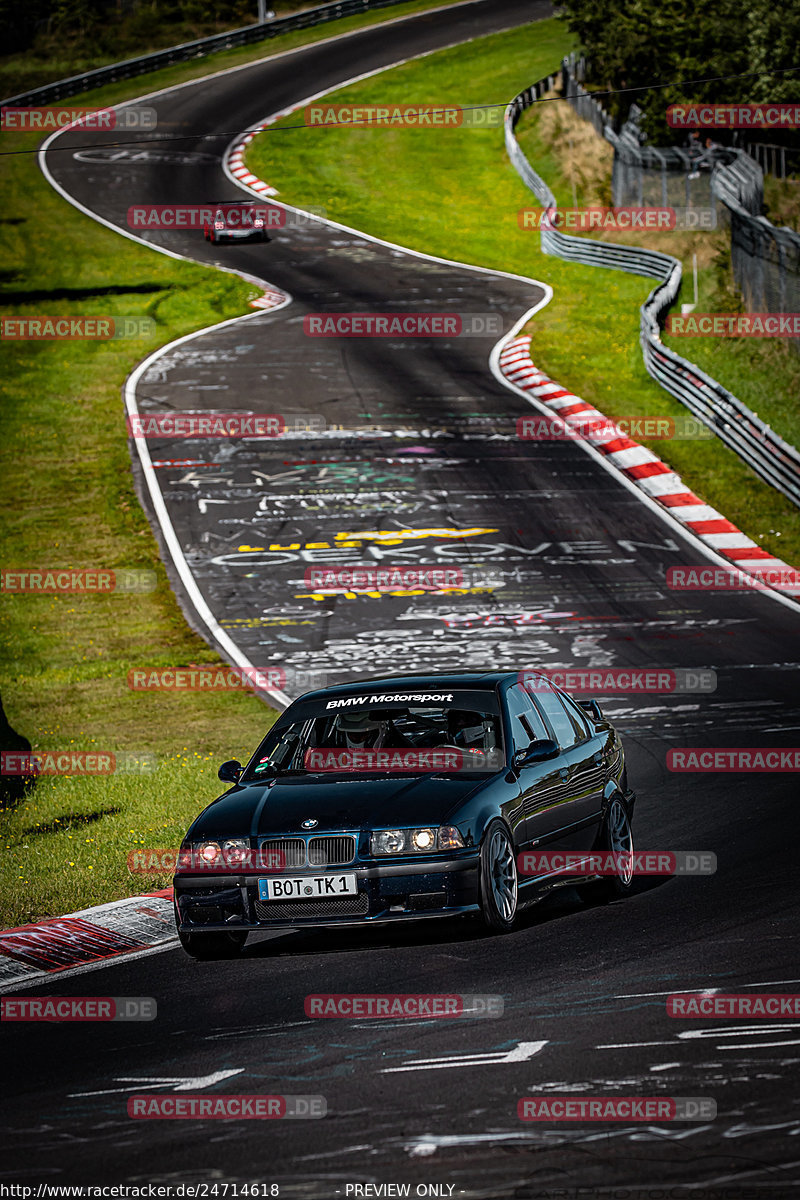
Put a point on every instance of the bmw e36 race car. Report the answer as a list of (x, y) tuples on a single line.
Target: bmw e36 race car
[(404, 798), (235, 220)]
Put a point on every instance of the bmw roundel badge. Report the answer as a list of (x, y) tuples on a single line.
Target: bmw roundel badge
[(309, 823)]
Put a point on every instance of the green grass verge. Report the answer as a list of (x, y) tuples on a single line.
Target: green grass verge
[(764, 373), (67, 499), (453, 193)]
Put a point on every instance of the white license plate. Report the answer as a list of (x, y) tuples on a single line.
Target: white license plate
[(307, 887)]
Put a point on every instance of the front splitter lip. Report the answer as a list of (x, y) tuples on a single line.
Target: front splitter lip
[(236, 235), (382, 918)]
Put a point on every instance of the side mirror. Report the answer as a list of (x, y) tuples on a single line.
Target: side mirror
[(537, 752), (592, 708), (230, 771)]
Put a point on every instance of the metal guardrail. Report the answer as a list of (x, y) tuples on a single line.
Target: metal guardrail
[(773, 459), (772, 158), (199, 48)]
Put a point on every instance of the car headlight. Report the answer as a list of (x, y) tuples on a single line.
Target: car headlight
[(388, 841), (423, 839), (235, 851), (416, 841), (209, 852)]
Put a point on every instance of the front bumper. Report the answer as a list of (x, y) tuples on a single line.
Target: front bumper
[(240, 233), (386, 892)]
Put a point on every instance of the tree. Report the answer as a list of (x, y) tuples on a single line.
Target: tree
[(662, 45)]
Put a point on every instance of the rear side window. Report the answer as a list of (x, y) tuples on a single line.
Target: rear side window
[(526, 722), (577, 714), (565, 732)]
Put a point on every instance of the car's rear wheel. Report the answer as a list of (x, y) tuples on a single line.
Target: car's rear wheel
[(618, 838), (205, 946), (499, 893)]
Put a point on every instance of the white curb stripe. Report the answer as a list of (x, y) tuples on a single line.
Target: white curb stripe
[(143, 924), (631, 458)]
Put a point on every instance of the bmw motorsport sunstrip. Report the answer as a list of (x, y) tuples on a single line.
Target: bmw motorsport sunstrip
[(403, 798)]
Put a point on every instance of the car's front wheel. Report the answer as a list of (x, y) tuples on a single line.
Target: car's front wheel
[(499, 892), (205, 946), (617, 838)]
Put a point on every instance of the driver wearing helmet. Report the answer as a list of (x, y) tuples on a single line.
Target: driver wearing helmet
[(358, 731), (466, 729)]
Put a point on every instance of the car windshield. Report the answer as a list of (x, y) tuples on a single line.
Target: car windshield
[(443, 736)]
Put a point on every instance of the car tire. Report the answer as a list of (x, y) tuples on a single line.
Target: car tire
[(207, 946), (617, 836), (497, 880)]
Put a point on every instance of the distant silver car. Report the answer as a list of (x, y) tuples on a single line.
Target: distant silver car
[(235, 220)]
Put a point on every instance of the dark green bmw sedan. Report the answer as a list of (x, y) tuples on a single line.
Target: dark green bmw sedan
[(405, 798)]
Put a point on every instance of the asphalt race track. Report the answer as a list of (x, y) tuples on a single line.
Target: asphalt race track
[(420, 465)]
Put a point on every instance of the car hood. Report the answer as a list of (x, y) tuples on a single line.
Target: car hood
[(281, 805)]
